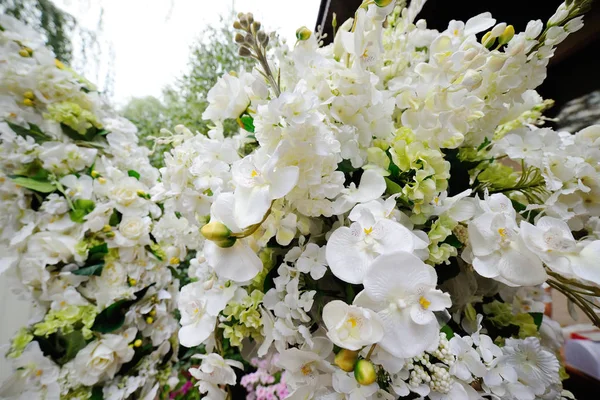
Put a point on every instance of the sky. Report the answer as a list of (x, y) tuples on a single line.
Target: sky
[(150, 38)]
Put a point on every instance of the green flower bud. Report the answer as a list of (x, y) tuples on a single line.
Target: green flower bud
[(383, 3), (507, 35), (215, 231), (225, 243), (239, 38), (244, 52), (237, 25), (256, 26), (487, 40), (346, 359), (303, 33), (262, 37), (364, 372)]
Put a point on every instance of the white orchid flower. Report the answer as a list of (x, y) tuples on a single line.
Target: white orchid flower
[(351, 250), (402, 290), (258, 182), (351, 327)]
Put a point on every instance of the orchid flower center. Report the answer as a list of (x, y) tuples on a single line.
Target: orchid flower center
[(424, 302)]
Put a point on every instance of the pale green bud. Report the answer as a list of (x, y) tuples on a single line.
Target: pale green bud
[(383, 3), (346, 359), (507, 35), (303, 33), (215, 231), (364, 372)]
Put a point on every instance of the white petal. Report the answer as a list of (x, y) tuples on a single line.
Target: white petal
[(479, 23), (251, 205), (421, 316), (194, 334), (283, 181), (372, 186), (346, 261), (438, 300), (405, 339), (487, 266), (238, 263), (222, 210), (399, 272), (522, 268), (586, 265)]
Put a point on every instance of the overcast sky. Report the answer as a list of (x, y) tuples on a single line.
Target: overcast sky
[(151, 38)]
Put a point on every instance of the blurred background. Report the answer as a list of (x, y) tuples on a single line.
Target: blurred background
[(156, 59)]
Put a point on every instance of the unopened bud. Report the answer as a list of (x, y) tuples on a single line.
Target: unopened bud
[(249, 39), (225, 243), (95, 174), (262, 37), (106, 228), (256, 26), (174, 260), (239, 38), (303, 33), (149, 320), (152, 313), (507, 35), (28, 102), (250, 18), (237, 25), (137, 343), (364, 372), (244, 52), (215, 231), (24, 53), (383, 3), (487, 40), (244, 22), (346, 359), (59, 64), (29, 95)]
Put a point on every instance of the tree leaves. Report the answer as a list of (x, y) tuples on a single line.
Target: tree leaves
[(113, 316)]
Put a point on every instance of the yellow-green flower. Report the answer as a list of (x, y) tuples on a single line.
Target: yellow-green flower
[(66, 320), (19, 342), (72, 115)]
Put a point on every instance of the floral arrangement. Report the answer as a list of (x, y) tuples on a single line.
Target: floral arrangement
[(79, 236), (384, 221), (383, 225)]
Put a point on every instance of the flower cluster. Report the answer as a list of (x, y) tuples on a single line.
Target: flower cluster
[(79, 236), (380, 226), (383, 220)]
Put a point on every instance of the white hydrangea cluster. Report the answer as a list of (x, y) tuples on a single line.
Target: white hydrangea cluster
[(79, 236)]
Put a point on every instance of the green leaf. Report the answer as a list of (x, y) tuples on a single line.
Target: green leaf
[(392, 187), (82, 208), (538, 317), (61, 348), (246, 122), (156, 251), (33, 184), (88, 136), (98, 252), (453, 241), (486, 143), (134, 174), (115, 218), (112, 317), (34, 131), (97, 393), (448, 331), (95, 270)]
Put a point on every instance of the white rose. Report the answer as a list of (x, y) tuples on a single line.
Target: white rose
[(133, 231), (101, 359)]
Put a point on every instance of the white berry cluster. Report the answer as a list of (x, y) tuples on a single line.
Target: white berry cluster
[(435, 375)]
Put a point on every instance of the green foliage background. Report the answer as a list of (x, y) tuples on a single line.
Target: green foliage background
[(213, 54)]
